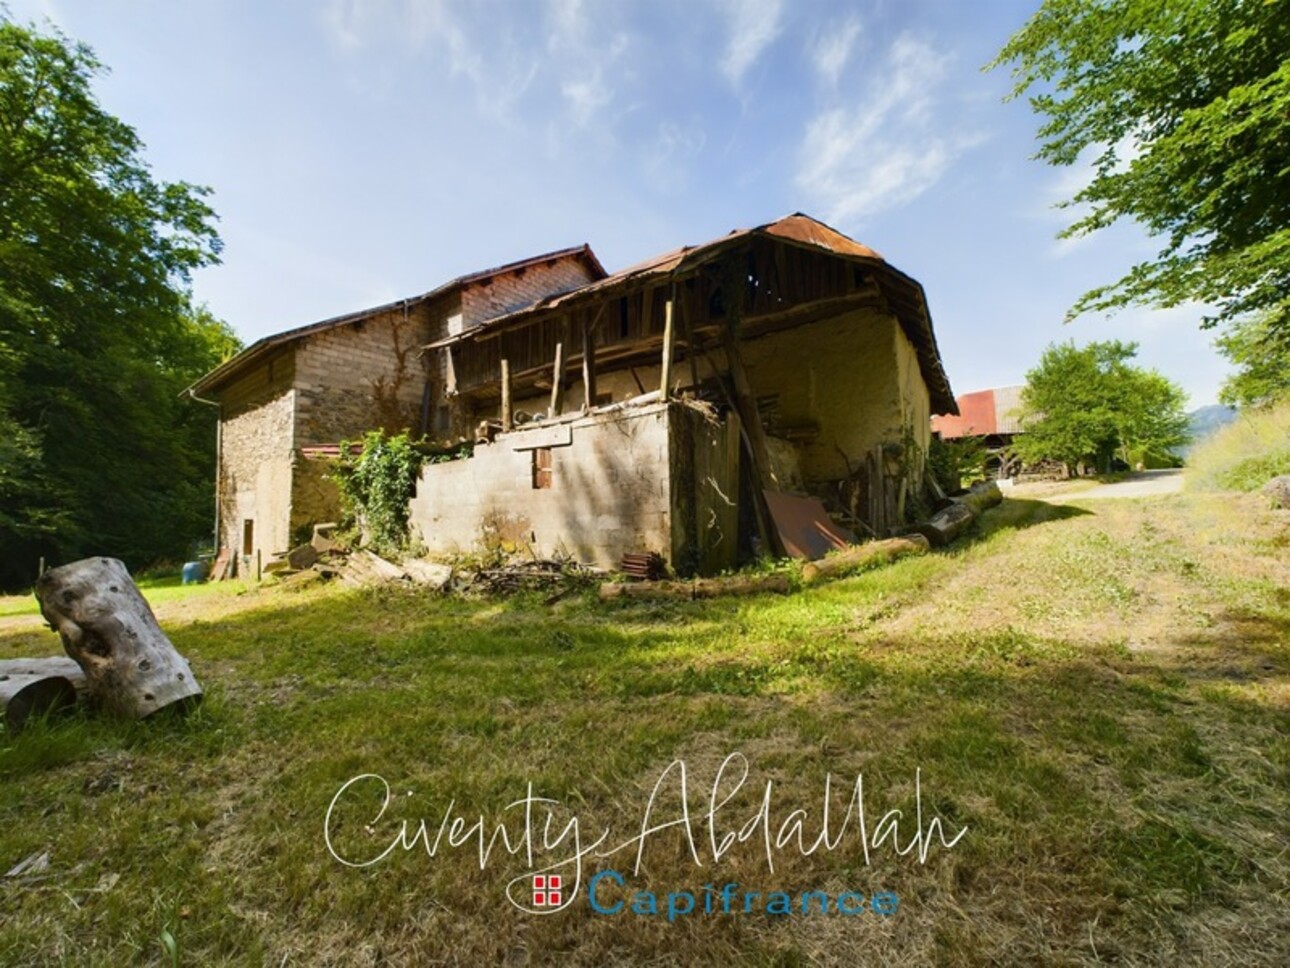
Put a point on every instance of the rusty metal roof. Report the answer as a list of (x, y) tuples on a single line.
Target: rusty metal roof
[(797, 229), (261, 348)]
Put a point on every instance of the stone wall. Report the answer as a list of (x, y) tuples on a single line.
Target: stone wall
[(363, 376), (612, 488), (509, 291), (255, 467)]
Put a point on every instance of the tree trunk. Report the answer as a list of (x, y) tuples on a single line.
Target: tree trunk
[(873, 552), (980, 497), (131, 668), (946, 525), (34, 687)]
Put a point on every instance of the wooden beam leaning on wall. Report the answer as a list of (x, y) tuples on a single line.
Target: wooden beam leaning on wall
[(588, 366), (558, 370), (507, 413), (669, 343)]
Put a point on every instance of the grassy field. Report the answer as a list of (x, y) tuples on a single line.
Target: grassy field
[(1245, 454), (1098, 695)]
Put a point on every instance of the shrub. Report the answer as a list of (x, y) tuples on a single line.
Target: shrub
[(376, 484)]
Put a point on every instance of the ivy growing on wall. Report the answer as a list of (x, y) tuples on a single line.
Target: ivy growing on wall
[(376, 477)]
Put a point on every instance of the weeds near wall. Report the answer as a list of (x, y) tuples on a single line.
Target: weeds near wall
[(376, 477), (956, 463)]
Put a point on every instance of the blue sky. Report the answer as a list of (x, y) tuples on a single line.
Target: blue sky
[(365, 150)]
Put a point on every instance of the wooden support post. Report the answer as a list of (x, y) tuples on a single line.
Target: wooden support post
[(691, 350), (507, 415), (754, 438), (558, 374), (669, 338), (588, 366), (449, 373)]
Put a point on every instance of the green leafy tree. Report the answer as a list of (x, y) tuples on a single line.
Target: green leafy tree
[(1184, 106), (1083, 405), (1262, 360), (98, 336)]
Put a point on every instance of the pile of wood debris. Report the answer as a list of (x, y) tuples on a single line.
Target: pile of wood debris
[(324, 559)]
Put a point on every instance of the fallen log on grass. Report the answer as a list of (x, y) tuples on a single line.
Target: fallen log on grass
[(980, 497), (699, 588), (861, 556), (37, 687), (946, 524), (131, 668)]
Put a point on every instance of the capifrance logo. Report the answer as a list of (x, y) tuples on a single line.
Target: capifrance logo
[(560, 857), (606, 896)]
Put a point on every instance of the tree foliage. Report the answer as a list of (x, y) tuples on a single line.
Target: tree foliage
[(376, 478), (1184, 106), (1086, 404), (98, 336), (1263, 364)]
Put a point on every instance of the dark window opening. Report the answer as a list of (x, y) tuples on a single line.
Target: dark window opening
[(248, 536)]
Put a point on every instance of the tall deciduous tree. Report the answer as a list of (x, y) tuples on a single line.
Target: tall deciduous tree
[(1184, 106), (1262, 360), (97, 332), (1086, 404)]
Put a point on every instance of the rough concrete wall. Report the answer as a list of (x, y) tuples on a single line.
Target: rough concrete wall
[(841, 374), (915, 406), (363, 376), (255, 472), (514, 290), (610, 492)]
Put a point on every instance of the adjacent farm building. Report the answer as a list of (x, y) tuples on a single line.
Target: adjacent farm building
[(994, 417), (765, 390)]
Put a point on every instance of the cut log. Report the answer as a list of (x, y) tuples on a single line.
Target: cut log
[(35, 687), (699, 588), (106, 625), (647, 589), (760, 585), (862, 556), (946, 524), (980, 497)]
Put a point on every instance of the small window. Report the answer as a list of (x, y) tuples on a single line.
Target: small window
[(248, 536), (542, 468)]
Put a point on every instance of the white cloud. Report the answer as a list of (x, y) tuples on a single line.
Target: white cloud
[(586, 96), (833, 50), (887, 148), (667, 160), (442, 28), (754, 25), (585, 59)]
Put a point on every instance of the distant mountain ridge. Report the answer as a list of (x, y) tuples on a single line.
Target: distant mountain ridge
[(1204, 421)]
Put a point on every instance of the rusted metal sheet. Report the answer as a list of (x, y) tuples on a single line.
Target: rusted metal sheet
[(804, 527)]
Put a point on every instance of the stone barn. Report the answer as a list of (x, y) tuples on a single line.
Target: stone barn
[(752, 393), (286, 401)]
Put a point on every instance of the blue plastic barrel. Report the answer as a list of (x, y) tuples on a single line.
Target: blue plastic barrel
[(194, 572)]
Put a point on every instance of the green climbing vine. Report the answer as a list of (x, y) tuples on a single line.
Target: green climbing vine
[(376, 477)]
